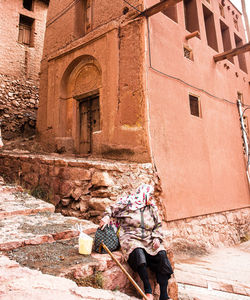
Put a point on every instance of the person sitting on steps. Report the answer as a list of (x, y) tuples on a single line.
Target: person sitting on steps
[(141, 237)]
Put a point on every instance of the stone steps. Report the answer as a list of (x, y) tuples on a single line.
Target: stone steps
[(15, 202), (22, 283), (25, 220), (36, 237)]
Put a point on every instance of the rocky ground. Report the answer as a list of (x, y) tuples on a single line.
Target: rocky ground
[(39, 259)]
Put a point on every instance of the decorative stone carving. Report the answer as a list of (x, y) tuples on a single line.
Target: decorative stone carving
[(88, 78)]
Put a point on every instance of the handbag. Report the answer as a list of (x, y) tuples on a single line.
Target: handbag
[(108, 237)]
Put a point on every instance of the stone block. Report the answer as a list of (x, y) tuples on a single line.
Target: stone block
[(65, 201), (66, 188), (64, 173), (77, 192), (43, 170), (75, 205), (26, 167), (83, 205), (102, 179), (31, 179), (101, 193), (56, 184), (79, 174), (56, 199), (99, 204)]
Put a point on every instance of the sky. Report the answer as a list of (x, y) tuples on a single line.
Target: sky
[(237, 3)]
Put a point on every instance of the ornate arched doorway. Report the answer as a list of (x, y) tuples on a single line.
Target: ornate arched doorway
[(80, 102)]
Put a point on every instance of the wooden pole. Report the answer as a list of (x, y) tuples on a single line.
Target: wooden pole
[(125, 272), (193, 34), (230, 53), (244, 11), (158, 7)]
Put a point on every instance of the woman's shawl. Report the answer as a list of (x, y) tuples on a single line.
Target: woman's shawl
[(139, 199)]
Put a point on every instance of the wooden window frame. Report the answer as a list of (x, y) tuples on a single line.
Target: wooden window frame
[(25, 34), (191, 57), (190, 96)]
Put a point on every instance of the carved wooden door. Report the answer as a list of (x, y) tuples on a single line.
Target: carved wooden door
[(89, 122)]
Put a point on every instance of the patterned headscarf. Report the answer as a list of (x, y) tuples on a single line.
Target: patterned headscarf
[(139, 198)]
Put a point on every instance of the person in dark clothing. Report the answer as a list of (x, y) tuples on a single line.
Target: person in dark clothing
[(141, 237)]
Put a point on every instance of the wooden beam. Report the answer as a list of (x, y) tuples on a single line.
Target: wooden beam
[(158, 7), (230, 53), (193, 34)]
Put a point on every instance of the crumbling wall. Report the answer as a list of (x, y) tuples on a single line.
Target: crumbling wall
[(18, 107)]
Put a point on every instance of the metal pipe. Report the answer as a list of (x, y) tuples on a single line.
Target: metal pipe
[(124, 271), (244, 135)]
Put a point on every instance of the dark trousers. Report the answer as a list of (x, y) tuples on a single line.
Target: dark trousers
[(139, 260)]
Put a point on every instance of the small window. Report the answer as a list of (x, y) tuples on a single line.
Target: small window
[(226, 39), (188, 53), (25, 30), (241, 57), (88, 15), (210, 28), (194, 103), (83, 17), (171, 12), (191, 15), (28, 4)]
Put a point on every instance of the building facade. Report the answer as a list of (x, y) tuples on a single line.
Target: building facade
[(118, 85), (22, 28)]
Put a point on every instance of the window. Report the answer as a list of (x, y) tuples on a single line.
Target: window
[(88, 15), (191, 15), (28, 4), (226, 39), (241, 57), (194, 104), (25, 30), (171, 12), (188, 53), (83, 17), (210, 28)]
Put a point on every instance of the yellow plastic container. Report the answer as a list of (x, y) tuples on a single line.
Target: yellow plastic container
[(85, 244)]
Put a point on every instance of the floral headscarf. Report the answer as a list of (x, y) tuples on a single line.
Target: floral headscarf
[(139, 198)]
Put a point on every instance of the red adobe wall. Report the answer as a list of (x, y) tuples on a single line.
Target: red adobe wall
[(200, 161), (115, 46)]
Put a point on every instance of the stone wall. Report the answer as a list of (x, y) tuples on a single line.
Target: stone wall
[(77, 187), (198, 235), (18, 106)]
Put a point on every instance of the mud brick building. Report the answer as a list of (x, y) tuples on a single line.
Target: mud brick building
[(159, 86), (22, 27)]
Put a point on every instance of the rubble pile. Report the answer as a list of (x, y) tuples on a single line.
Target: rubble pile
[(18, 106)]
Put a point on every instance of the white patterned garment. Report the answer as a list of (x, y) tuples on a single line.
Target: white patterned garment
[(139, 221)]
